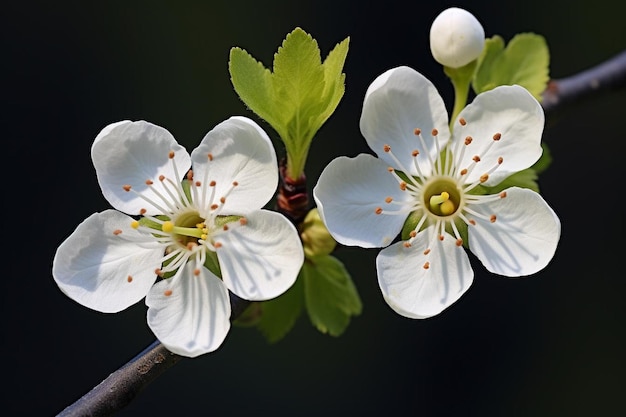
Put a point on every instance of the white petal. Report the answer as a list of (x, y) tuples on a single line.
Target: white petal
[(347, 194), (188, 313), (260, 260), (240, 151), (523, 238), (93, 265), (514, 113), (129, 153), (414, 291), (396, 103)]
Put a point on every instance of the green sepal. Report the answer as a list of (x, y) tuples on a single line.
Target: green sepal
[(298, 96), (410, 223), (279, 315), (331, 297), (525, 61), (212, 263)]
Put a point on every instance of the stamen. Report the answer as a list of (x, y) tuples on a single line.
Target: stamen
[(399, 164), (426, 265), (483, 178), (129, 279), (462, 121)]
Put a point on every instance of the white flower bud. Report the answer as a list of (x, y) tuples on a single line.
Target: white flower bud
[(456, 38)]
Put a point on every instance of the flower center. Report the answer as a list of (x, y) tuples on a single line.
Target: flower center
[(441, 196), (188, 228), (192, 224)]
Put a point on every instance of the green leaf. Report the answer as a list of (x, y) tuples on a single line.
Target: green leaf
[(525, 179), (544, 162), (279, 315), (525, 61), (330, 295), (298, 96), (253, 83)]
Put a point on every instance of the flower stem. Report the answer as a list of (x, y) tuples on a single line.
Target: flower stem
[(292, 199), (461, 79)]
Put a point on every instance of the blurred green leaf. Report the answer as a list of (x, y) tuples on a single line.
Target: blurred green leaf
[(330, 295), (279, 315), (525, 61)]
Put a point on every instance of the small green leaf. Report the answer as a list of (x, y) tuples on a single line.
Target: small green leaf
[(298, 96), (525, 61), (330, 295), (253, 83), (279, 315)]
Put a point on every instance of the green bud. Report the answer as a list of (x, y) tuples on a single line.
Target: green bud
[(315, 236)]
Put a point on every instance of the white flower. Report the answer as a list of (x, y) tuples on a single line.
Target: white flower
[(456, 38), (188, 218), (424, 170)]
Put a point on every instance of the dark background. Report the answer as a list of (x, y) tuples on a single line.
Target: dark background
[(548, 345)]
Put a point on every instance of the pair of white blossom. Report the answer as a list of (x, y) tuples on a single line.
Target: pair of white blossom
[(184, 220), (190, 224)]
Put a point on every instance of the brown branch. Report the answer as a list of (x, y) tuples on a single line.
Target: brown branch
[(123, 385), (609, 75)]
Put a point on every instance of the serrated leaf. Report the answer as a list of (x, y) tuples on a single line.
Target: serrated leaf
[(334, 79), (331, 298), (297, 96), (279, 315), (253, 83), (298, 74), (525, 61)]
